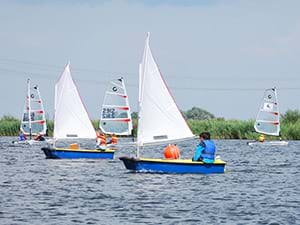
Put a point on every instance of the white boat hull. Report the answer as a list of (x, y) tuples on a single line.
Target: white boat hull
[(268, 143), (32, 142)]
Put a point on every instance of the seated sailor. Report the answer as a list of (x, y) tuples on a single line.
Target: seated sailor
[(206, 149)]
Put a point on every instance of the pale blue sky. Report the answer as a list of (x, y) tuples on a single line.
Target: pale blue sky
[(216, 55)]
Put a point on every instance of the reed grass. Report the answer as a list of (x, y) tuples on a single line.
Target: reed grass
[(219, 128)]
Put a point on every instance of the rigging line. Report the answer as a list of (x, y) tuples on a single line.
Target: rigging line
[(58, 68), (75, 70), (30, 63), (229, 89), (23, 73), (104, 82), (43, 76), (78, 72)]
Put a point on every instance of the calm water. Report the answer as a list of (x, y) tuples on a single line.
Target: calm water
[(261, 186)]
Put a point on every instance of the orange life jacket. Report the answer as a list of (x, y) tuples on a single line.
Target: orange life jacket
[(114, 140), (101, 138)]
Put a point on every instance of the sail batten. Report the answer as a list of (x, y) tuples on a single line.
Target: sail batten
[(115, 115), (267, 119), (159, 115), (71, 119)]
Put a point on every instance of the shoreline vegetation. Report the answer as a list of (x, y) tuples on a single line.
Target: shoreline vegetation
[(218, 127)]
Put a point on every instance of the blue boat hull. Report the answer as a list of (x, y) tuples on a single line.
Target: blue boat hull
[(172, 166), (59, 153)]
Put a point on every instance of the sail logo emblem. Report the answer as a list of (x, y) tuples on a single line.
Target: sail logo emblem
[(32, 95), (269, 96), (114, 88)]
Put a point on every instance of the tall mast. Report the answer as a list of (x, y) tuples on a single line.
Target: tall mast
[(29, 108), (141, 89)]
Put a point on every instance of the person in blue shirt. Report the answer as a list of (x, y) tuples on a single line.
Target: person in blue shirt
[(22, 136), (205, 150)]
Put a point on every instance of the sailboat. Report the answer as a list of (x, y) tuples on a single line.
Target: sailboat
[(33, 121), (71, 121), (115, 114), (160, 121), (267, 120)]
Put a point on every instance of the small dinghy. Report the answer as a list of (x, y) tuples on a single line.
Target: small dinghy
[(71, 121), (268, 120), (160, 121)]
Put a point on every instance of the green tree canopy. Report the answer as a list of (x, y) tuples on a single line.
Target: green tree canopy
[(198, 114), (290, 116)]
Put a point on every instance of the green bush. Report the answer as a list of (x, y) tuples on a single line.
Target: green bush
[(290, 116), (218, 127), (224, 129), (9, 126)]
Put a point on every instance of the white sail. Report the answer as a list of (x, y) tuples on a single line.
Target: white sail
[(33, 120), (71, 119), (115, 114), (160, 119), (267, 119)]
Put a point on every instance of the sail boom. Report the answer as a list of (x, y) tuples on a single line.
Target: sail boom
[(268, 133)]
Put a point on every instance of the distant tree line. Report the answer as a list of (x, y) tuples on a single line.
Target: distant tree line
[(194, 113)]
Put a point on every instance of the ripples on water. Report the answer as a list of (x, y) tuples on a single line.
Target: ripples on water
[(261, 186)]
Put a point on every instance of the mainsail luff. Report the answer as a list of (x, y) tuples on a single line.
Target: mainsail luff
[(28, 108), (267, 119), (160, 120), (71, 119)]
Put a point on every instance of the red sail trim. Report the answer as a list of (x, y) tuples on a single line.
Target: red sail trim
[(39, 121), (122, 120), (275, 113), (275, 123), (123, 107), (39, 111), (122, 96)]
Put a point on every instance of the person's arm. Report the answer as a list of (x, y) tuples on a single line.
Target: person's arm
[(198, 152)]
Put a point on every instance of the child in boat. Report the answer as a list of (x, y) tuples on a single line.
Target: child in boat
[(261, 138), (206, 149), (22, 136), (100, 140), (113, 140)]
